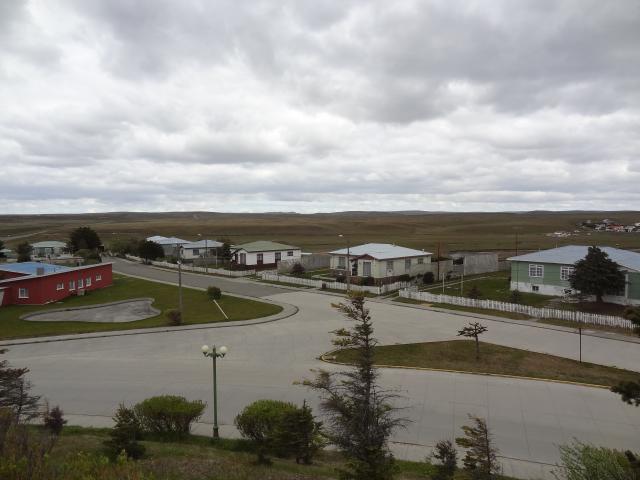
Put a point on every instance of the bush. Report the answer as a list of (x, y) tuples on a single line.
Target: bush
[(168, 415), (261, 422), (54, 420), (581, 461), (297, 269), (298, 434), (474, 293), (341, 278), (175, 317), (515, 296), (446, 454), (125, 435), (428, 278), (214, 293), (405, 277), (368, 281), (324, 286)]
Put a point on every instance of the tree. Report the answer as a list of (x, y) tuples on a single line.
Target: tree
[(214, 293), (428, 278), (24, 252), (581, 461), (125, 434), (633, 315), (597, 274), (83, 238), (474, 329), (474, 293), (446, 454), (2, 255), (124, 246), (14, 392), (481, 456), (54, 420), (299, 435), (226, 250), (150, 250), (515, 296), (360, 416)]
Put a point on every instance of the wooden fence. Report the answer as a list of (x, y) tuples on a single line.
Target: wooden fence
[(310, 282), (536, 312)]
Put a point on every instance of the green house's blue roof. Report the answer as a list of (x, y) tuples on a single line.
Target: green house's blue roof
[(570, 254)]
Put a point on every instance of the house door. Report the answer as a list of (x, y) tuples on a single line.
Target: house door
[(243, 259), (260, 258), (354, 268), (278, 256), (390, 268), (366, 269)]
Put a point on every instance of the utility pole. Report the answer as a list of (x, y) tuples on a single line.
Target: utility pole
[(180, 282), (438, 262)]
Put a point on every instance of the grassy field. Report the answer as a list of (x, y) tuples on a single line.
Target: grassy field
[(195, 458), (495, 359), (197, 309), (319, 232)]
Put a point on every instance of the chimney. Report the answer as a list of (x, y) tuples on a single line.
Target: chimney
[(40, 271)]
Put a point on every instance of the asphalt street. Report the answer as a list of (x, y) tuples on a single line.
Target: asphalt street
[(529, 419)]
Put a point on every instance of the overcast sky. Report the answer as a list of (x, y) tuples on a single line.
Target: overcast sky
[(319, 105)]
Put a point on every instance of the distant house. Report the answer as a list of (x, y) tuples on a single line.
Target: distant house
[(33, 283), (382, 261), (7, 254), (264, 253), (170, 245), (547, 272), (200, 249), (48, 249)]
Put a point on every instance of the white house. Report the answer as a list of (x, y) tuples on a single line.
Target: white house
[(170, 245), (382, 261), (264, 252), (200, 249), (48, 249)]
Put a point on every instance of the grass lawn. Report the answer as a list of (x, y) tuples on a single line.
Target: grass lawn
[(197, 309), (460, 308), (285, 284), (496, 359), (196, 458), (495, 286)]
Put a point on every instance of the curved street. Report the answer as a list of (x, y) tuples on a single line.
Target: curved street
[(88, 377)]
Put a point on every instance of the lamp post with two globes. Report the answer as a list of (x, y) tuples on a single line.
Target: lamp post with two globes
[(215, 353)]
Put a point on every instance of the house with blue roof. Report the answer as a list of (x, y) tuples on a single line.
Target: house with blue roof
[(547, 272)]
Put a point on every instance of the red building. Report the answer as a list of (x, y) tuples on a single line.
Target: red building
[(33, 283)]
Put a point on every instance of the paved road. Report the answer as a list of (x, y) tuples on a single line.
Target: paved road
[(231, 285), (89, 377)]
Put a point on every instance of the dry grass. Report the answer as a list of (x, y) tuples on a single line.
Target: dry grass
[(494, 359), (319, 232)]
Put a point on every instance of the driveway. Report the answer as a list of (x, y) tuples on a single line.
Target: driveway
[(89, 377)]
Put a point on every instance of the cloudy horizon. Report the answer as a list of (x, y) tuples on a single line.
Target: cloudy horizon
[(319, 106)]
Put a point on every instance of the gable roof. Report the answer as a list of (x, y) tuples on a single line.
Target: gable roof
[(49, 244), (167, 240), (264, 246), (203, 244), (381, 251), (570, 254)]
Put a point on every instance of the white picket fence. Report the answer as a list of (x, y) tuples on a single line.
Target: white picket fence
[(190, 268), (309, 282), (536, 312)]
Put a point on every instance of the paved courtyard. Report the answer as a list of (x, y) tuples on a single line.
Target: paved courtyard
[(89, 377)]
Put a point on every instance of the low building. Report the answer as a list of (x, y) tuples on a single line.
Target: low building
[(382, 261), (473, 263), (200, 249), (547, 272), (263, 253), (34, 283), (170, 245), (48, 249)]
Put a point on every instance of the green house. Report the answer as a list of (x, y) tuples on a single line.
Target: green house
[(547, 272)]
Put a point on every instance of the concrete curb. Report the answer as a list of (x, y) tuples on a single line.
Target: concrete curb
[(26, 316), (324, 358)]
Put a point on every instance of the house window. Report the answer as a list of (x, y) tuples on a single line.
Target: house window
[(390, 265), (80, 283), (407, 264), (196, 252), (420, 261), (260, 258), (536, 271), (366, 269), (23, 293), (72, 285), (565, 272), (535, 288), (98, 278), (87, 282), (278, 256), (60, 286), (342, 263), (290, 253)]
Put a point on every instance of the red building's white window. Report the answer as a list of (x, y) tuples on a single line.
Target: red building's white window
[(87, 282), (72, 285), (23, 293), (98, 278), (60, 286)]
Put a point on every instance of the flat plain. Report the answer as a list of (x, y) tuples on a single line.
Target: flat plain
[(319, 232)]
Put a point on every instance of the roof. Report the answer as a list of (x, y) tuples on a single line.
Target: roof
[(381, 251), (203, 244), (31, 268), (167, 240), (570, 254), (49, 244), (264, 246), (49, 270)]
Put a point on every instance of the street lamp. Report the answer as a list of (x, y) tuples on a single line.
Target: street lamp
[(348, 262), (215, 353)]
